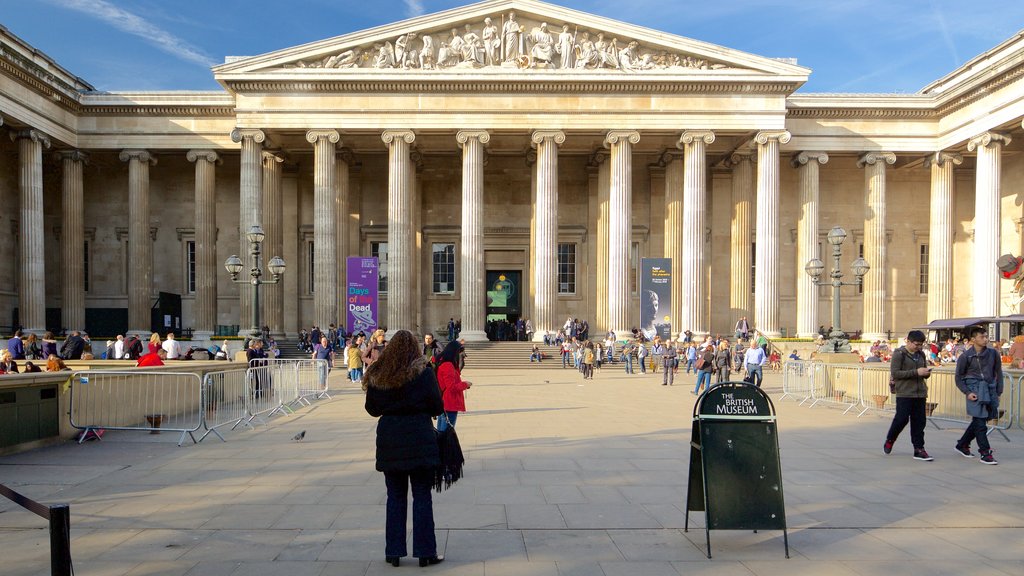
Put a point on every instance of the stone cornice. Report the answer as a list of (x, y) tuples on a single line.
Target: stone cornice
[(503, 86), (37, 79), (151, 110)]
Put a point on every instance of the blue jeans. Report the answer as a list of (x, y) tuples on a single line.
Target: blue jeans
[(536, 355), (442, 424), (756, 375), (703, 377), (355, 375), (629, 364), (424, 544), (689, 365), (643, 365), (565, 360)]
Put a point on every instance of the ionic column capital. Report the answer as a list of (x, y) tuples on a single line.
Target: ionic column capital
[(597, 158), (765, 136), (986, 139), (207, 155), (738, 157), (272, 156), (389, 136), (872, 158), (539, 136), (135, 154), (941, 158), (314, 136), (254, 134), (669, 156), (463, 136), (31, 134), (691, 136), (802, 158), (74, 156), (344, 155), (620, 136)]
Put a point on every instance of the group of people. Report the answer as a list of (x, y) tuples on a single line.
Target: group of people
[(308, 339), (507, 331), (32, 351)]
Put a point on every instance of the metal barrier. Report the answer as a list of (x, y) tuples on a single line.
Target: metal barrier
[(864, 388), (136, 400), (226, 403), (311, 378), (270, 389)]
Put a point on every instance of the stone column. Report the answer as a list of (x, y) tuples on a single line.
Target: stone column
[(987, 224), (342, 161), (400, 233), (620, 212), (205, 308), (766, 271), (272, 295), (695, 203), (325, 239), (31, 265), (807, 164), (72, 240), (546, 215), (740, 238), (140, 243), (600, 160), (471, 251), (674, 245), (250, 210), (874, 164), (940, 234)]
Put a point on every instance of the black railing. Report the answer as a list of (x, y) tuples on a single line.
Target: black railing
[(59, 517)]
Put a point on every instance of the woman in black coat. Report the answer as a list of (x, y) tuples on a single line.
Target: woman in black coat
[(402, 389)]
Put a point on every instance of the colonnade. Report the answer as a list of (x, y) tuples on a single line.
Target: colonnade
[(754, 218)]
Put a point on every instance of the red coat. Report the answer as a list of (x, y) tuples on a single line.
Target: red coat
[(452, 388), (152, 359)]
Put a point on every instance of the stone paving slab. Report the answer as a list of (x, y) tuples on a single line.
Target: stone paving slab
[(564, 477)]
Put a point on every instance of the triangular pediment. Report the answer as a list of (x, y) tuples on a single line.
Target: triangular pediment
[(509, 37)]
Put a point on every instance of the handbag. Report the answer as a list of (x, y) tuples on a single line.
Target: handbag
[(449, 470), (700, 362)]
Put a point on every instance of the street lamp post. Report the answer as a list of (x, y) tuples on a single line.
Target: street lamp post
[(276, 266), (837, 341)]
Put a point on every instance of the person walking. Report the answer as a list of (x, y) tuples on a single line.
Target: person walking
[(588, 361), (566, 352), (374, 348), (754, 359), (453, 387), (354, 360), (657, 353), (705, 367), (979, 375), (402, 391), (323, 350), (723, 362), (641, 356), (691, 357), (627, 357), (668, 358), (909, 371)]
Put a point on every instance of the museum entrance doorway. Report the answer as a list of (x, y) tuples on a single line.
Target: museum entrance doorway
[(504, 303)]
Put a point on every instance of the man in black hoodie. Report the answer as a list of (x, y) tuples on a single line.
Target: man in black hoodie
[(73, 347)]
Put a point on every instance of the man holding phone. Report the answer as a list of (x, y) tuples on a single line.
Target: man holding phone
[(909, 370)]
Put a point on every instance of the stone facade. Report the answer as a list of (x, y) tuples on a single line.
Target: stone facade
[(654, 146)]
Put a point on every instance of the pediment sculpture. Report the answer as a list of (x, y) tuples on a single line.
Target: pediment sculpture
[(509, 43)]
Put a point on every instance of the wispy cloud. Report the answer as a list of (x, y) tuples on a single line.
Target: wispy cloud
[(414, 7), (138, 26)]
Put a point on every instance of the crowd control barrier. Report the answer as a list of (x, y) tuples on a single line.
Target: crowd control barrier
[(187, 403), (136, 400), (59, 517), (862, 388)]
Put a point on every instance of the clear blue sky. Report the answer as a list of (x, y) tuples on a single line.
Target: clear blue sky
[(851, 45)]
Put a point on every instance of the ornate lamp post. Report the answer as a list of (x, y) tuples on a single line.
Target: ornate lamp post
[(234, 266), (837, 341)]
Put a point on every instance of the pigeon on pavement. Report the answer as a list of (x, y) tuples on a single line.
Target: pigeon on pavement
[(298, 437)]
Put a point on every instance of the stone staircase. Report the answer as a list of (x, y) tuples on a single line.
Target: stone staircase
[(289, 350), (506, 355)]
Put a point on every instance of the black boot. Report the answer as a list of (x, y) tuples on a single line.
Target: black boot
[(394, 560), (431, 561)]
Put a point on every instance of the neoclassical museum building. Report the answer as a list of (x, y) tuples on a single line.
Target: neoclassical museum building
[(512, 142)]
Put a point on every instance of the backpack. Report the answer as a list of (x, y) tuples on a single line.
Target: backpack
[(132, 348)]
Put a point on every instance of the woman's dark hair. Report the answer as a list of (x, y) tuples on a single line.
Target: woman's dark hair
[(451, 353), (400, 361)]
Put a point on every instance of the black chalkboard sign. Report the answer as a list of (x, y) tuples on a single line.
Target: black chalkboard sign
[(735, 473)]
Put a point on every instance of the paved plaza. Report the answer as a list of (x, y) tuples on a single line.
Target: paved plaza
[(563, 477)]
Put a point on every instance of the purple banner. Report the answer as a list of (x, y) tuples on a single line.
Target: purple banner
[(361, 295)]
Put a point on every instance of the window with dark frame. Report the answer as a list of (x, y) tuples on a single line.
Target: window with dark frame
[(443, 259), (922, 287), (85, 266), (379, 250), (310, 262), (567, 268), (190, 267), (860, 254), (753, 267)]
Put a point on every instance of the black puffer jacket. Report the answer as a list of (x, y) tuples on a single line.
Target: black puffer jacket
[(406, 439)]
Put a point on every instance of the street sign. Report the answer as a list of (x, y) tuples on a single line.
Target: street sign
[(735, 472)]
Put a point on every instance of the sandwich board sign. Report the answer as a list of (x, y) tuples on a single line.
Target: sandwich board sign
[(735, 472)]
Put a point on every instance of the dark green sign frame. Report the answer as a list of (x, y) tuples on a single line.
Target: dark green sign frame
[(735, 471)]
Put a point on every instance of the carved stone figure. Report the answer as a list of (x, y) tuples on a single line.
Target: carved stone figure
[(472, 48), (512, 35), (543, 49), (627, 57), (404, 55), (492, 44), (586, 53), (427, 61), (607, 56), (385, 56), (565, 48), (347, 59), (455, 48), (448, 56)]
